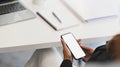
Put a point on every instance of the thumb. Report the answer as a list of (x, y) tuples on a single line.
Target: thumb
[(63, 43), (79, 41)]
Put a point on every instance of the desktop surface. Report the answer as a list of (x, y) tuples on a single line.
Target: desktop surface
[(37, 34)]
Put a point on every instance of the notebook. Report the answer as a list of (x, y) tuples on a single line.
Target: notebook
[(88, 10), (62, 19)]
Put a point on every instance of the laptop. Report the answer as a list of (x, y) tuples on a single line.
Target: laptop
[(12, 11)]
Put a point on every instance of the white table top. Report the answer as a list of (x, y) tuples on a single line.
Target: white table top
[(36, 33)]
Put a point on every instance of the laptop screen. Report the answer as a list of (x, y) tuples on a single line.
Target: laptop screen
[(5, 1)]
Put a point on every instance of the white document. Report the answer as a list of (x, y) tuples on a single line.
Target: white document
[(63, 14), (88, 10)]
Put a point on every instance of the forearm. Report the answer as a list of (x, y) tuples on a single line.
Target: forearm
[(66, 63)]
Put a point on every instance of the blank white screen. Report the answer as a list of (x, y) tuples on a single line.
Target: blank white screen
[(73, 46)]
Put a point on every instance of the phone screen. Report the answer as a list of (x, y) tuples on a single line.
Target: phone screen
[(73, 45)]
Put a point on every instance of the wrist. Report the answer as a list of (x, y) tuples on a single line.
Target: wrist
[(68, 58)]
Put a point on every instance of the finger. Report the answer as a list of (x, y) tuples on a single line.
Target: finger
[(85, 59), (79, 40), (63, 44), (65, 48), (84, 48), (87, 49)]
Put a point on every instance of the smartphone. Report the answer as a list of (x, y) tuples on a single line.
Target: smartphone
[(73, 45)]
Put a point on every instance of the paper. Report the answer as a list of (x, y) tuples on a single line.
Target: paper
[(92, 9)]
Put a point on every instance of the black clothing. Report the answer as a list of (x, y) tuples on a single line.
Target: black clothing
[(100, 55), (66, 63)]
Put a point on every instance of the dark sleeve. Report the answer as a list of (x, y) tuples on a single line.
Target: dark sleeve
[(100, 55), (66, 63)]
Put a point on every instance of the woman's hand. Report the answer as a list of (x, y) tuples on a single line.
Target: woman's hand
[(68, 56), (66, 52), (88, 51)]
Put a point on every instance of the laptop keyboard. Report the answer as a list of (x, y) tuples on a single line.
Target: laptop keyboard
[(5, 9), (6, 1)]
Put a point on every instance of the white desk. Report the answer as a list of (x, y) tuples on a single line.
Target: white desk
[(37, 34)]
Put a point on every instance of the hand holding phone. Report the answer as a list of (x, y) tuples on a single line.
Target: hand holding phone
[(73, 45)]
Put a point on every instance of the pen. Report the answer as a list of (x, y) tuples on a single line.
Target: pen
[(56, 17), (45, 20)]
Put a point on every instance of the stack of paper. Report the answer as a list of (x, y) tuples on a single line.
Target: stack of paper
[(88, 10)]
